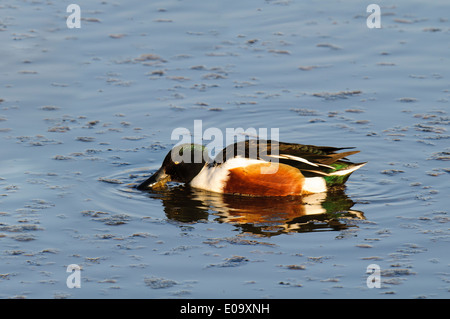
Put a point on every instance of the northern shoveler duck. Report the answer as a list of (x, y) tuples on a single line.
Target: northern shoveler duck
[(257, 168)]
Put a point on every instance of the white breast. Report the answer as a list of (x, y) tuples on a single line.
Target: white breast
[(214, 178)]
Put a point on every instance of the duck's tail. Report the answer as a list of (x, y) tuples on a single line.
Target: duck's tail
[(340, 174)]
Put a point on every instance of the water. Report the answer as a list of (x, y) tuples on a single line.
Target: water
[(86, 113)]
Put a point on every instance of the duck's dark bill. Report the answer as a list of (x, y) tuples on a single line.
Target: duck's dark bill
[(157, 180)]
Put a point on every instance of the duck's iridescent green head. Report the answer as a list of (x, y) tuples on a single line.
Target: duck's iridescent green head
[(181, 165)]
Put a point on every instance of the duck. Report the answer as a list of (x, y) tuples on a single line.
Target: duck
[(256, 167)]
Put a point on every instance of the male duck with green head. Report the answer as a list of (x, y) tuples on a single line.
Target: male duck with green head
[(256, 168)]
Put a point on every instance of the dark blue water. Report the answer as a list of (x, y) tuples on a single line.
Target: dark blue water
[(86, 113)]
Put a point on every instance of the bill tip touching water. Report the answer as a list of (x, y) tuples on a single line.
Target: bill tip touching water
[(256, 168)]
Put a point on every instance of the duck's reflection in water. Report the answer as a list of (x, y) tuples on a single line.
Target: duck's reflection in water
[(266, 216)]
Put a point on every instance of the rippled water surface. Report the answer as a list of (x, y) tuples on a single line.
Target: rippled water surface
[(87, 113)]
